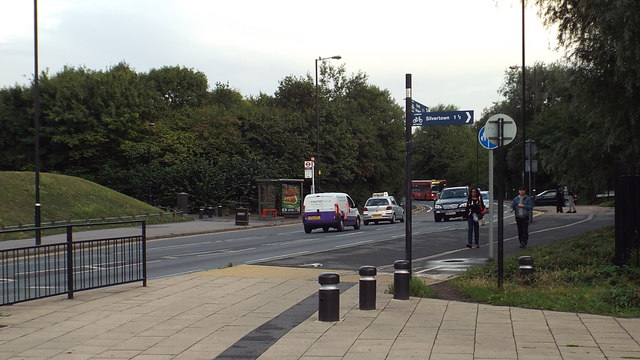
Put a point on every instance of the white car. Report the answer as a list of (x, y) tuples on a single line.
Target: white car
[(382, 208), (485, 198)]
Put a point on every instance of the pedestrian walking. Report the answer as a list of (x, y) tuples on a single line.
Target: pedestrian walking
[(475, 212), (569, 197), (559, 200), (521, 205)]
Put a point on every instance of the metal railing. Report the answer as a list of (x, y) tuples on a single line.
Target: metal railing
[(39, 271)]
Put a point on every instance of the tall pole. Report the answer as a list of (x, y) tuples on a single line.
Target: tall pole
[(500, 202), (524, 120), (408, 174), (36, 101), (317, 161)]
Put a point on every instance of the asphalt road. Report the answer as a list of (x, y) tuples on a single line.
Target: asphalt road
[(443, 250)]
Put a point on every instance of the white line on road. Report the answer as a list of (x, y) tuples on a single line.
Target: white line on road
[(178, 246), (276, 257)]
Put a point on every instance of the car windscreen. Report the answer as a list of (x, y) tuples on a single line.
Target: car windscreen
[(377, 202), (453, 194)]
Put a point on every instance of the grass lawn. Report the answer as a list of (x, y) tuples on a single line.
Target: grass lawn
[(576, 274)]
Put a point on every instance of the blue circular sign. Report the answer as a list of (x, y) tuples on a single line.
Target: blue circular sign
[(484, 140)]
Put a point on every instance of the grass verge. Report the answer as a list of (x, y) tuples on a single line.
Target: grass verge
[(576, 274)]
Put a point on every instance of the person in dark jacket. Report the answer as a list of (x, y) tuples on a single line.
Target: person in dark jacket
[(475, 209), (559, 200), (521, 205)]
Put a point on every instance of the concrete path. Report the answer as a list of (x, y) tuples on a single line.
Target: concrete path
[(233, 313)]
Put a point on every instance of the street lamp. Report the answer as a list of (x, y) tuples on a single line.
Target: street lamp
[(320, 58), (524, 120), (36, 101)]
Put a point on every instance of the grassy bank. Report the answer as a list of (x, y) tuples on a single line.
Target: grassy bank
[(65, 198), (576, 274)]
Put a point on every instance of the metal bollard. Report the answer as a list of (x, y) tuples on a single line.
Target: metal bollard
[(210, 211), (525, 265), (329, 297), (201, 213), (368, 287), (401, 280)]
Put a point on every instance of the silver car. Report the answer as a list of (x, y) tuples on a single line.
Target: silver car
[(382, 208)]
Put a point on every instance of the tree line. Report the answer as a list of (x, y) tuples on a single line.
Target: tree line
[(154, 134)]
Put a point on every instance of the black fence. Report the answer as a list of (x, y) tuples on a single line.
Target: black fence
[(40, 271), (627, 219)]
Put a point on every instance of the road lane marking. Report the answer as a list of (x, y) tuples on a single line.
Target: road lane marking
[(276, 257)]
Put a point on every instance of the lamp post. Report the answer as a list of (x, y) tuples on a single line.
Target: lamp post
[(524, 120), (320, 58), (36, 101)]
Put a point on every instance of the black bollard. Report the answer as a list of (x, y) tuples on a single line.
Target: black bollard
[(201, 213), (329, 297), (368, 287), (401, 279), (525, 265)]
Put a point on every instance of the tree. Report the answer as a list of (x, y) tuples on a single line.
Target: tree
[(16, 137), (601, 38), (178, 87)]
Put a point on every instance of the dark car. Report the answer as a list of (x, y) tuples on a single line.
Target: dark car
[(451, 203), (548, 198)]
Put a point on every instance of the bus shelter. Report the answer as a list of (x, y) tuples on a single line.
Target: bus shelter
[(279, 197)]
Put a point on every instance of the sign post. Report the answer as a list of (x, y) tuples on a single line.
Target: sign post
[(408, 174), (309, 173), (417, 114), (502, 129), (489, 145)]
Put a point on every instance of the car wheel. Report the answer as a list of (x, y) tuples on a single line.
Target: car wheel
[(393, 219), (356, 226), (307, 229), (437, 218), (375, 222), (366, 222), (340, 226), (325, 228), (402, 218), (446, 218)]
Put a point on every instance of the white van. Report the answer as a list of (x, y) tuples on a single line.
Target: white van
[(329, 210)]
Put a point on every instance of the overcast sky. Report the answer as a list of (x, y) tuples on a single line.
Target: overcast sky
[(456, 50)]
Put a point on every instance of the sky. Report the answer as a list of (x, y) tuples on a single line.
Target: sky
[(456, 50)]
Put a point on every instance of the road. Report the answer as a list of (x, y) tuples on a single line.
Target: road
[(438, 248)]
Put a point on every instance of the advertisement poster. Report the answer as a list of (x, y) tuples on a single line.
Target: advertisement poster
[(291, 199)]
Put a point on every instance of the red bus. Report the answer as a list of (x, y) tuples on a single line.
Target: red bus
[(426, 189)]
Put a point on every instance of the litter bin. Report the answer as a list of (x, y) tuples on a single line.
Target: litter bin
[(242, 216), (183, 202)]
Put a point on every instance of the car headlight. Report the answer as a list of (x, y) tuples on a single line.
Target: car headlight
[(463, 205), (438, 206)]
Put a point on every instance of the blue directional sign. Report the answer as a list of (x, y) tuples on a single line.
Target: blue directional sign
[(416, 107), (484, 140), (464, 117)]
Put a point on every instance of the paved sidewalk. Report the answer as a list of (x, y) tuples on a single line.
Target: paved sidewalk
[(205, 315)]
